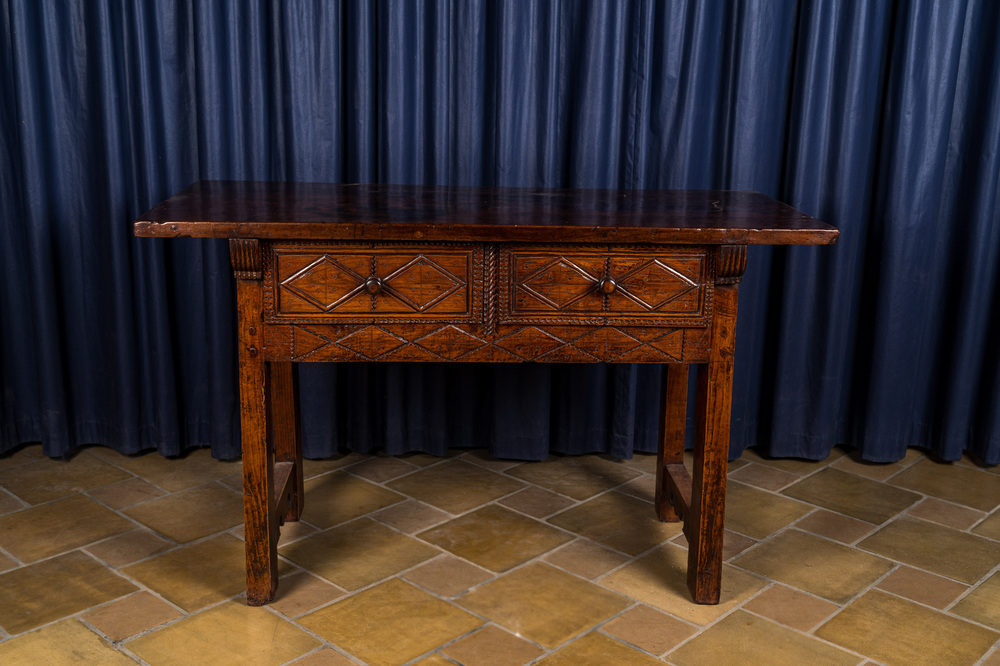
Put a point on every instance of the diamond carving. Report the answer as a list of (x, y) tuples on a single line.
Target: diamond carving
[(559, 284), (529, 343), (421, 284), (305, 341), (606, 343), (325, 283), (450, 342), (655, 280), (371, 341)]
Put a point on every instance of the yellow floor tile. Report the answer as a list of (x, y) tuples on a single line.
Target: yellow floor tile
[(381, 468), (47, 591), (9, 503), (496, 538), (854, 464), (852, 495), (982, 604), (66, 643), (191, 514), (537, 502), (758, 513), (128, 548), (934, 548), (989, 528), (456, 486), (50, 479), (131, 615), (492, 646), (791, 608), (742, 638), (649, 629), (411, 516), (21, 456), (231, 633), (586, 558), (922, 587), (49, 529), (579, 477), (618, 521), (956, 483), (325, 657), (824, 568), (447, 576), (391, 623), (896, 631), (543, 604), (764, 476), (733, 543), (358, 553), (835, 526), (302, 592), (126, 493), (794, 465), (598, 649), (333, 499), (659, 579), (195, 468)]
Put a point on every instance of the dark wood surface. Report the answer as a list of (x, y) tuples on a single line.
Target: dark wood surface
[(399, 273), (241, 209)]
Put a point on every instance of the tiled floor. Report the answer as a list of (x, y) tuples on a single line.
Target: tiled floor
[(470, 560)]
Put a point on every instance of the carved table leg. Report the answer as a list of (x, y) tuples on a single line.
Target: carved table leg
[(260, 516), (671, 477), (711, 454)]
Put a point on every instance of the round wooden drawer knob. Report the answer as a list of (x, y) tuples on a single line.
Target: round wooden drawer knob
[(607, 286), (373, 285)]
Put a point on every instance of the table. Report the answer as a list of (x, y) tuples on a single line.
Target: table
[(348, 273)]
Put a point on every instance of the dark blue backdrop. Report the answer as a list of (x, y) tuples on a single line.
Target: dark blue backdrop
[(882, 118)]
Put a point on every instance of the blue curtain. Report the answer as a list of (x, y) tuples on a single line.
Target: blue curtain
[(882, 118)]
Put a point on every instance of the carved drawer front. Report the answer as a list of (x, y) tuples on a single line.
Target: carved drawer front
[(372, 281), (669, 287)]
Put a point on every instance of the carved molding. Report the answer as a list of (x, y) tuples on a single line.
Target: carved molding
[(246, 258), (732, 263)]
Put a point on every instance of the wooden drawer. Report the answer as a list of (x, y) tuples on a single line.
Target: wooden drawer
[(373, 281), (617, 285)]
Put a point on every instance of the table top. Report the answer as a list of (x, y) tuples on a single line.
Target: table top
[(299, 211)]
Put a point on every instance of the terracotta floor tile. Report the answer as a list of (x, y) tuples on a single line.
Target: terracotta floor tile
[(896, 631), (9, 503), (579, 477), (598, 649), (66, 524), (982, 605), (586, 558), (302, 592), (53, 478), (992, 660), (537, 502), (21, 456), (933, 548), (923, 587), (195, 468), (231, 633), (126, 493), (659, 579), (131, 615), (6, 563), (456, 486), (794, 465), (128, 548), (543, 604), (835, 526), (956, 483), (66, 643), (642, 462), (358, 553), (447, 576), (326, 657), (764, 476), (336, 498), (854, 464), (47, 591), (618, 521), (989, 528), (314, 468), (191, 514), (649, 629), (642, 487), (496, 538), (791, 608), (823, 568), (745, 639), (381, 468), (758, 513), (733, 543), (434, 660), (483, 458), (492, 646), (852, 495), (197, 575), (409, 623), (411, 516)]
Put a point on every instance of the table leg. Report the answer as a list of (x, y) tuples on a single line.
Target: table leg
[(260, 519), (670, 451), (285, 431), (711, 454)]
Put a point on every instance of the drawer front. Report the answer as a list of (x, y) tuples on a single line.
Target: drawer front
[(625, 285), (365, 282)]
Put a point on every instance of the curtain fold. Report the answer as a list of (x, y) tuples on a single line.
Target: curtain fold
[(882, 118)]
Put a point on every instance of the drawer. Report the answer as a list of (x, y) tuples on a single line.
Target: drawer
[(373, 281), (626, 285)]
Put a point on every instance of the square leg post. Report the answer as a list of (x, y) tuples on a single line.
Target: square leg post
[(286, 434), (259, 511), (671, 477)]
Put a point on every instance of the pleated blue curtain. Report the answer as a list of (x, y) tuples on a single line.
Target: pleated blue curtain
[(882, 118)]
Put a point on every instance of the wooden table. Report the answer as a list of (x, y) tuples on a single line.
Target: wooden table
[(499, 275)]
